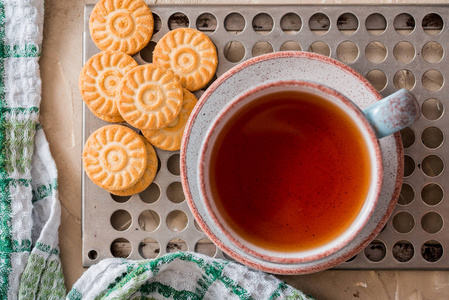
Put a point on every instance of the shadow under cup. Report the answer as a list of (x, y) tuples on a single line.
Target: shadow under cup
[(290, 171)]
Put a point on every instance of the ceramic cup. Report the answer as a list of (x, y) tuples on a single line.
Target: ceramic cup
[(378, 120)]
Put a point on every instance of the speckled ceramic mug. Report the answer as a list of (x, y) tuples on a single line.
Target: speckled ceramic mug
[(378, 120)]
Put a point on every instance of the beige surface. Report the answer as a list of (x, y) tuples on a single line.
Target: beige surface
[(61, 120)]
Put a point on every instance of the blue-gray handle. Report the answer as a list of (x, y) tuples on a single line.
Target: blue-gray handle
[(393, 113)]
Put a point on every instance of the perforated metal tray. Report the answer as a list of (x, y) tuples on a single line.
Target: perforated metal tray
[(394, 46)]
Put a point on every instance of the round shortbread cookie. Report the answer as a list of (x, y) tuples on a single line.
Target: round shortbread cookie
[(190, 54), (149, 98), (122, 25), (99, 80), (148, 175), (173, 73), (115, 157), (115, 119), (169, 138)]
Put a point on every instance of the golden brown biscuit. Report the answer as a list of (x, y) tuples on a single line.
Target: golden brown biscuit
[(149, 98), (115, 119), (148, 175), (122, 25), (190, 54), (99, 80), (173, 73), (115, 157), (169, 138)]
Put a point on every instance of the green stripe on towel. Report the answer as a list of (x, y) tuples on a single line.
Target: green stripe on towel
[(6, 245)]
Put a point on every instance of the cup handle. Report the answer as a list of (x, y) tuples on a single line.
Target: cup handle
[(393, 113)]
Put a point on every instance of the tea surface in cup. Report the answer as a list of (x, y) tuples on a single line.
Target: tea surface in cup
[(290, 171)]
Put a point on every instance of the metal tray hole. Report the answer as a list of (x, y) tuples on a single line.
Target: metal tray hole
[(121, 247), (409, 166), (404, 24), (149, 248), (320, 48), (376, 52), (403, 222), (263, 23), (120, 199), (352, 258), (432, 109), (432, 165), (432, 194), (375, 251), (262, 48), (234, 51), (178, 20), (403, 251), (407, 194), (206, 247), (197, 226), (234, 23), (432, 222), (177, 220), (432, 24), (173, 164), (319, 23), (121, 220), (408, 137), (347, 23), (432, 80), (404, 52), (404, 79), (291, 46), (291, 23), (147, 53), (432, 52), (157, 23), (176, 245), (432, 137), (377, 78), (432, 251), (175, 193), (347, 52), (92, 254), (151, 194), (149, 220), (376, 24), (206, 23)]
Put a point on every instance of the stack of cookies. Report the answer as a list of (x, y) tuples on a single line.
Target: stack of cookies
[(154, 98)]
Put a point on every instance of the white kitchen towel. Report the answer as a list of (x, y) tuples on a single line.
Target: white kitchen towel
[(179, 276), (29, 207)]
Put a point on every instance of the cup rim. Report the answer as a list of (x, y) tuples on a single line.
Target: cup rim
[(203, 221), (362, 217)]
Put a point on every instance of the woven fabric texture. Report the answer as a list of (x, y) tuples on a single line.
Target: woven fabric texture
[(179, 276), (29, 207)]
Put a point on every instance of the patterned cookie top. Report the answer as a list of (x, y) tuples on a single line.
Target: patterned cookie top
[(115, 157), (176, 76), (99, 80), (148, 175), (149, 97), (169, 138), (190, 54), (123, 25)]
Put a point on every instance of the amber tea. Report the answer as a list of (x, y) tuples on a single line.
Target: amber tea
[(290, 171)]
